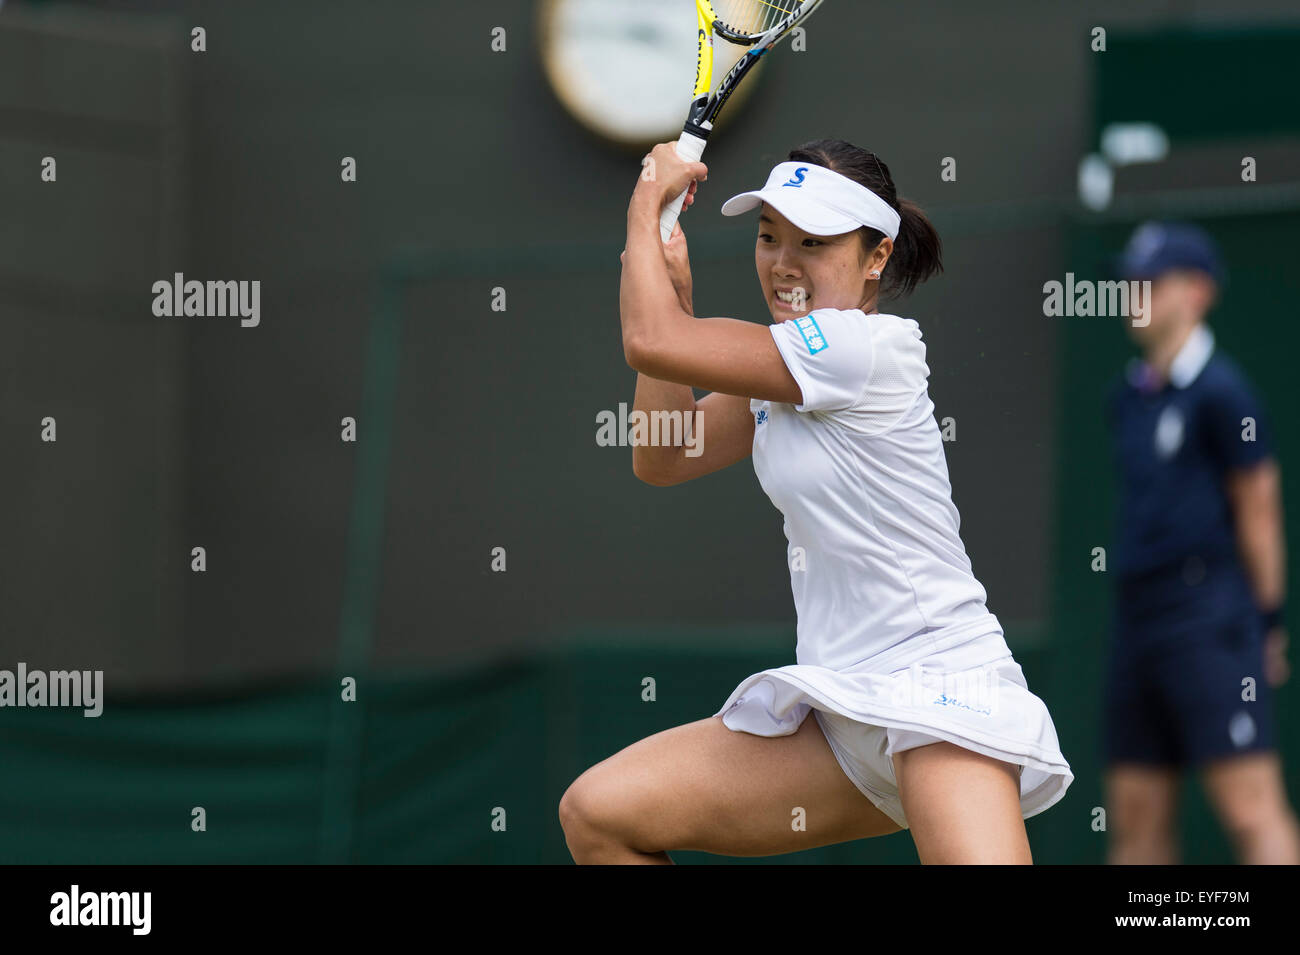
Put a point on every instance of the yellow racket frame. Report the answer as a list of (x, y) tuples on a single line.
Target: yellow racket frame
[(704, 56)]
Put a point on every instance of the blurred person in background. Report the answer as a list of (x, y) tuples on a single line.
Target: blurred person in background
[(1198, 642)]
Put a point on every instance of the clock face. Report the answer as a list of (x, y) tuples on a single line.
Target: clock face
[(626, 68)]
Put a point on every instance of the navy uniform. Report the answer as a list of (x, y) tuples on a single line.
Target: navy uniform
[(1187, 631)]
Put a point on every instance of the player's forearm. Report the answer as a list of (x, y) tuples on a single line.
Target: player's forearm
[(1261, 541), (649, 306), (657, 459)]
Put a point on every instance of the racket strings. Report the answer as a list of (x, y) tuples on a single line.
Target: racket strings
[(754, 17)]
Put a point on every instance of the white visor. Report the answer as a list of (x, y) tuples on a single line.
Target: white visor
[(818, 201)]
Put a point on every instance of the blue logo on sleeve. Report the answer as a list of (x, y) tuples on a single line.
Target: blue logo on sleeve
[(812, 334), (797, 179)]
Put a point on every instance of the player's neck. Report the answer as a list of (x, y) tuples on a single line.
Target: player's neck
[(1160, 356)]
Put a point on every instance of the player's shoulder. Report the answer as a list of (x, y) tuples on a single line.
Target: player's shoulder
[(823, 328), (898, 352), (889, 325), (877, 325), (897, 336), (848, 317), (885, 338), (1223, 376), (1223, 386)]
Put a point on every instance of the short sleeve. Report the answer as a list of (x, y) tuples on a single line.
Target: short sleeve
[(1236, 430), (829, 354)]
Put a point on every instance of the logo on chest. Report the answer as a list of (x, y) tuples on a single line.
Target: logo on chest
[(1169, 433), (761, 416)]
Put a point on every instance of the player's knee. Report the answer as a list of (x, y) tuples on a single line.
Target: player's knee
[(1141, 795), (580, 836), (1143, 821), (1247, 818), (587, 814), (1147, 807), (574, 810), (1141, 829)]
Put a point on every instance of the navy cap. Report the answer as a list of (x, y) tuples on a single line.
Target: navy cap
[(1157, 247)]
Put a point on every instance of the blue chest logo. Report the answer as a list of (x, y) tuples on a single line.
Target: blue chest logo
[(797, 179), (761, 417)]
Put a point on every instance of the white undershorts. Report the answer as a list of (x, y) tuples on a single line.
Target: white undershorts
[(865, 753), (889, 706)]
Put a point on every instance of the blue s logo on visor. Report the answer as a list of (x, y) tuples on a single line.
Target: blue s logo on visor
[(812, 334), (797, 179)]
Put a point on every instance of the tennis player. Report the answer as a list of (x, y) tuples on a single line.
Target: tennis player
[(922, 718)]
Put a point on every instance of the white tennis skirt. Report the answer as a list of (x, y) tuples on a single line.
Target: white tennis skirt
[(970, 692)]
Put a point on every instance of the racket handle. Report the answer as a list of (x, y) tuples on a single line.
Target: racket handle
[(690, 147)]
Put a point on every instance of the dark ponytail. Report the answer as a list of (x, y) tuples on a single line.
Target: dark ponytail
[(917, 251)]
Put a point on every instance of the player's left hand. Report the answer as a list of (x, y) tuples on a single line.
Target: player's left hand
[(665, 174), (679, 262), (1276, 668)]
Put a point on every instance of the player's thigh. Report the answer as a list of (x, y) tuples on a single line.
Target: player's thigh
[(1245, 790), (962, 807), (1141, 800), (704, 787)]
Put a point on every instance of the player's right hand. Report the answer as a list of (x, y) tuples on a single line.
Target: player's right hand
[(665, 174)]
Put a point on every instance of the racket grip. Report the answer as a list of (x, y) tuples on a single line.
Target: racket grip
[(690, 147)]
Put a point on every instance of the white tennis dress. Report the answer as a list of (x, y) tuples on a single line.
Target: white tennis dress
[(896, 647)]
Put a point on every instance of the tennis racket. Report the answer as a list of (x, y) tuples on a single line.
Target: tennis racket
[(757, 24)]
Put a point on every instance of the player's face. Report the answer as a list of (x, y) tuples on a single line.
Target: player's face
[(800, 271), (1176, 298)]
